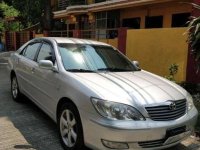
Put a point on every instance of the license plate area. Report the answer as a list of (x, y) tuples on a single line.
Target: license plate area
[(176, 134), (175, 131)]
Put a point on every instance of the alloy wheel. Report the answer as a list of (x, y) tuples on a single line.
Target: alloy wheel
[(68, 128), (14, 87)]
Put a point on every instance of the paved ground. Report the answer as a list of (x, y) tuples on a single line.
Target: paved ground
[(23, 126), (26, 127)]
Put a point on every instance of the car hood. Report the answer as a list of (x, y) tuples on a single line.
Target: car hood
[(139, 87)]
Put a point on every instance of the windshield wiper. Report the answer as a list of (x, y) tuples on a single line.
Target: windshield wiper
[(79, 70), (113, 69)]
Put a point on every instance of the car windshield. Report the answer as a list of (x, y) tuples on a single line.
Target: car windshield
[(93, 58)]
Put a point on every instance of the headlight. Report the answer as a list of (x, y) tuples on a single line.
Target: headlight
[(190, 103), (116, 111)]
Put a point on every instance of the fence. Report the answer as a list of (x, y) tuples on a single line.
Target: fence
[(63, 33), (86, 34), (13, 40)]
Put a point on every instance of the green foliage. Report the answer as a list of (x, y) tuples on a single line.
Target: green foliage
[(194, 36), (173, 69), (8, 11), (31, 12)]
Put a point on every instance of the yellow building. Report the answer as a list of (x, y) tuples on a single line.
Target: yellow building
[(107, 14), (150, 31)]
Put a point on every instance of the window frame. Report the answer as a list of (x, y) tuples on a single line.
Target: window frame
[(25, 49), (52, 51), (149, 19), (173, 18)]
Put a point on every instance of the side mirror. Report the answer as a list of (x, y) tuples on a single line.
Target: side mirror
[(48, 65), (136, 64)]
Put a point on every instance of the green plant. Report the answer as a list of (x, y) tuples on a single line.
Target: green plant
[(8, 11), (194, 36), (173, 69)]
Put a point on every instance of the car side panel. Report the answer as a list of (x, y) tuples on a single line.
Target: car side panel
[(46, 87)]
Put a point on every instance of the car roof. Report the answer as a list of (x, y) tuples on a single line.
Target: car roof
[(74, 41)]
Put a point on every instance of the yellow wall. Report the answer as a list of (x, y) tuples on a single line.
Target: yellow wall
[(157, 49), (166, 10), (113, 42)]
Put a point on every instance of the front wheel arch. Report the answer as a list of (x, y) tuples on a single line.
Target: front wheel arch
[(70, 103), (61, 102), (12, 74)]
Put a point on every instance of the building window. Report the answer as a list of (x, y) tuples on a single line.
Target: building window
[(62, 4), (101, 20), (132, 23), (99, 1), (77, 2), (180, 20), (154, 22), (113, 19), (107, 21)]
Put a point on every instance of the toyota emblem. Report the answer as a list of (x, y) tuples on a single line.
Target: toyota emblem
[(172, 106)]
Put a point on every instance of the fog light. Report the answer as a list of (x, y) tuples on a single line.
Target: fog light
[(115, 145)]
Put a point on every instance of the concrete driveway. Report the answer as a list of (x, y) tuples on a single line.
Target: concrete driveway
[(25, 127)]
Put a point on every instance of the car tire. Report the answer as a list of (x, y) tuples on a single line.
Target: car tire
[(16, 94), (70, 128)]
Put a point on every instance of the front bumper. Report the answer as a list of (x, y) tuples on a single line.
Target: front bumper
[(135, 133)]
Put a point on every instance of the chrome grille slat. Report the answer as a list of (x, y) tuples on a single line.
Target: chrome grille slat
[(169, 113), (164, 113), (172, 115), (157, 108)]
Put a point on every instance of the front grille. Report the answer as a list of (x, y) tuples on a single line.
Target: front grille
[(165, 113), (150, 144)]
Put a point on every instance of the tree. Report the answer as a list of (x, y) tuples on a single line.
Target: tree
[(194, 36), (31, 12), (6, 12), (47, 16)]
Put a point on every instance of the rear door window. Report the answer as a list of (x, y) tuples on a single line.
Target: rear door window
[(31, 50)]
